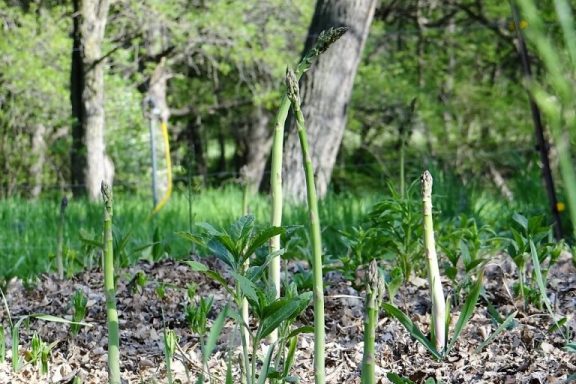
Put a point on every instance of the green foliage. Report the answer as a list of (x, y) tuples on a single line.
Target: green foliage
[(466, 313), (79, 302), (398, 226), (233, 246), (170, 340), (529, 237)]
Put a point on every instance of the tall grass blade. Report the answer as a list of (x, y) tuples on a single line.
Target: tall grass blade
[(215, 332), (412, 328), (110, 290), (467, 311), (266, 364), (2, 344), (503, 326)]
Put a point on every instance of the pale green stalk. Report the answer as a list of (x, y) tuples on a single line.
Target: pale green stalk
[(2, 344), (244, 309), (315, 234), (60, 246), (374, 295), (110, 290), (324, 41), (436, 293)]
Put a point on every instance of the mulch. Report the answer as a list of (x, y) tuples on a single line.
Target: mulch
[(526, 353)]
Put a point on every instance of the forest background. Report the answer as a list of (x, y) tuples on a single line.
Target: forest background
[(439, 85)]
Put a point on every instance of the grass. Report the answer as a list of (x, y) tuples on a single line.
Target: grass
[(28, 244)]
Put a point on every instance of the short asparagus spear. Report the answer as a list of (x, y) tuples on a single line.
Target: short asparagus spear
[(436, 293)]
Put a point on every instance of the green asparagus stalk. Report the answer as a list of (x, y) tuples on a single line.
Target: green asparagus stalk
[(110, 290), (325, 40), (245, 209), (436, 293), (60, 246), (374, 295), (315, 234)]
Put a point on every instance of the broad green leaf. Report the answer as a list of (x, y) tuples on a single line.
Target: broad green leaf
[(300, 330), (291, 353), (266, 364), (231, 246), (540, 279), (281, 310), (218, 277), (262, 237), (196, 266), (192, 238), (503, 326), (91, 242), (247, 287), (411, 328), (465, 252), (397, 379), (241, 230), (56, 319), (210, 229), (521, 220), (222, 252), (467, 311), (215, 332)]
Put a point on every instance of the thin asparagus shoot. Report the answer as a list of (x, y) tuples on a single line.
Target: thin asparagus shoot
[(110, 290), (374, 296), (315, 234), (324, 41)]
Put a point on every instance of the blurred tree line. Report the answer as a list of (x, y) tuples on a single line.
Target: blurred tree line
[(438, 83)]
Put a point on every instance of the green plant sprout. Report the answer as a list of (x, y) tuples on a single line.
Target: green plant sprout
[(197, 318), (79, 302), (324, 41), (40, 353), (374, 296), (110, 290), (399, 225), (15, 332), (170, 340), (233, 247)]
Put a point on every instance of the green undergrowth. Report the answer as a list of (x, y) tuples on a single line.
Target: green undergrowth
[(28, 235), (29, 230)]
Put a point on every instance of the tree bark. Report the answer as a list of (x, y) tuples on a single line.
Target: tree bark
[(326, 91), (253, 146), (39, 154), (89, 163)]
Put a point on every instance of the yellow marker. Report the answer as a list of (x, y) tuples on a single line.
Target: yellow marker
[(166, 196), (512, 26), (560, 206)]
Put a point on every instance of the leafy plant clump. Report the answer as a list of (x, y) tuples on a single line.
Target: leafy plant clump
[(234, 246)]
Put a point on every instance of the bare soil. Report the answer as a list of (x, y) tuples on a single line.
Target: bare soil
[(527, 353)]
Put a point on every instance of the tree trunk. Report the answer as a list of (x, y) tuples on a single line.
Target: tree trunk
[(326, 91), (253, 146), (89, 163), (39, 155)]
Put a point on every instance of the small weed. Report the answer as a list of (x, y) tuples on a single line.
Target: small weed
[(79, 302)]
